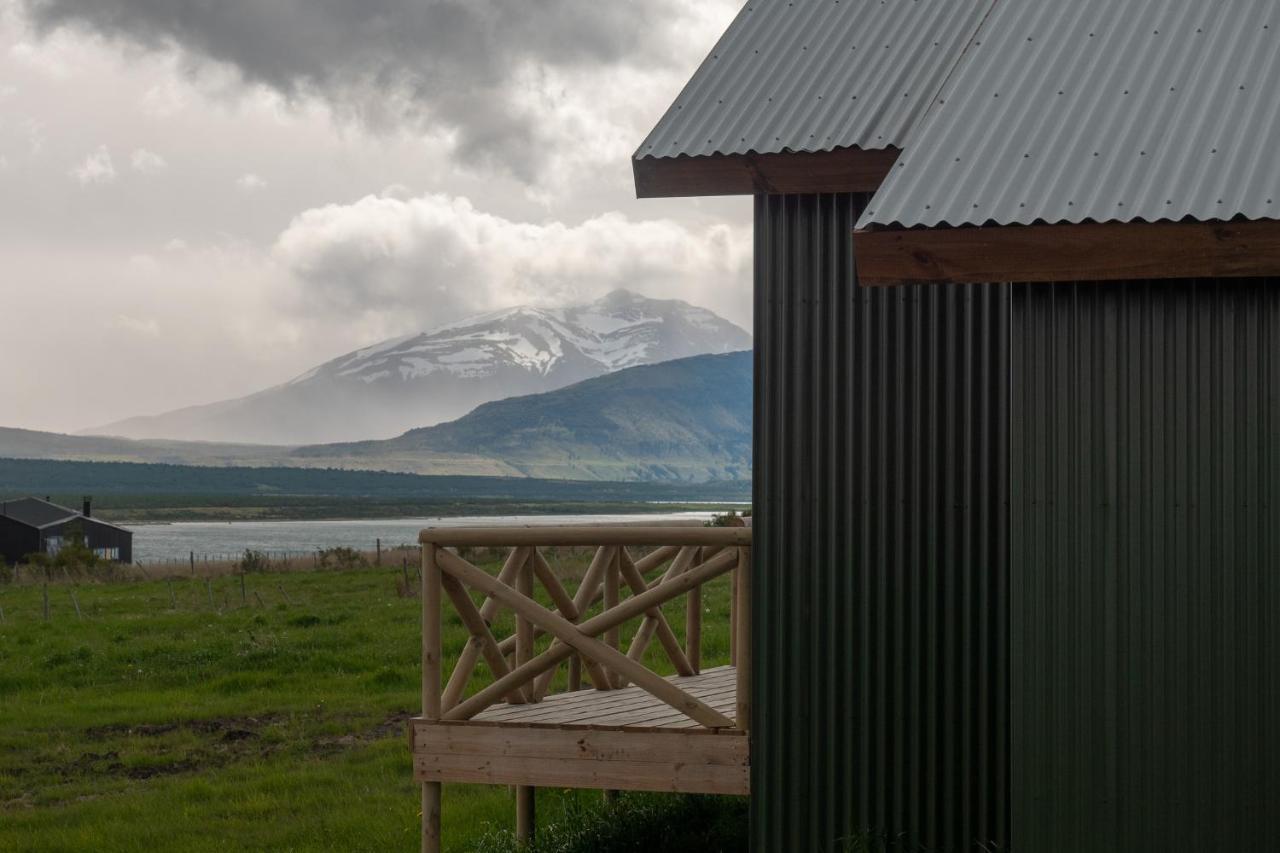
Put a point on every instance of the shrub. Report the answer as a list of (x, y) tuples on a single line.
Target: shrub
[(638, 823), (253, 561), (341, 558)]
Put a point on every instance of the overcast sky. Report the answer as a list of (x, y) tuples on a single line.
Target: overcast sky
[(198, 200)]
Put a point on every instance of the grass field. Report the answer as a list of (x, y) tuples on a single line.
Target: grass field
[(272, 722)]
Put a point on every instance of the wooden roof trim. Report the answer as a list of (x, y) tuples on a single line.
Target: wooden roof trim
[(1086, 252), (843, 170)]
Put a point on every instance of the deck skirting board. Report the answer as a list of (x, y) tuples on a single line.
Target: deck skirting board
[(701, 762)]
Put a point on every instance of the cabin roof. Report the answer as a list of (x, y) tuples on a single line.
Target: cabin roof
[(808, 76), (1099, 111), (37, 513), (34, 512)]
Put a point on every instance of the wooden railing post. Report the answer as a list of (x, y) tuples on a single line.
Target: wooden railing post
[(693, 628), (431, 594), (733, 618), (742, 592), (612, 576), (524, 653)]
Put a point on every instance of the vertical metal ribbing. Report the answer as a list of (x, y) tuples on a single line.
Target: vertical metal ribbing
[(1145, 478), (881, 543)]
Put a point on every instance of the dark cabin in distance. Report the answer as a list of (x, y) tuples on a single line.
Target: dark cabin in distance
[(32, 526)]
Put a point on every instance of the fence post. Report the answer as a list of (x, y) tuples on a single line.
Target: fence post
[(430, 687), (193, 564), (378, 546)]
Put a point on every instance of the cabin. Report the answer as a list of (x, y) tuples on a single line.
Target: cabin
[(1013, 580), (34, 526)]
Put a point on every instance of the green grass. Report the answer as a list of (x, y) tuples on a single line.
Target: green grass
[(277, 725)]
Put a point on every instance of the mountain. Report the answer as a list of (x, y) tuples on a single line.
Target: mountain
[(32, 444), (688, 420), (438, 375)]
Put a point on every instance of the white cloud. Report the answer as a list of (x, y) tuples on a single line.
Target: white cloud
[(146, 327), (147, 162), (51, 57), (97, 168), (166, 98), (34, 131), (249, 182), (436, 257), (177, 244)]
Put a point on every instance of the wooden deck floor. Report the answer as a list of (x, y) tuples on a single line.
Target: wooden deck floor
[(629, 707), (624, 739)]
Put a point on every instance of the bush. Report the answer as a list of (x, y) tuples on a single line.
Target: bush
[(729, 519), (638, 823), (342, 559), (253, 561)]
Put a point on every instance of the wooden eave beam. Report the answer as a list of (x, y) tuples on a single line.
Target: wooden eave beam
[(843, 170), (1089, 252)]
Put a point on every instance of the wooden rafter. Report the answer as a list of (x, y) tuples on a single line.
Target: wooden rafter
[(843, 170), (1088, 252)]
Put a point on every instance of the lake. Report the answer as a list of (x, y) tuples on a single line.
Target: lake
[(228, 540)]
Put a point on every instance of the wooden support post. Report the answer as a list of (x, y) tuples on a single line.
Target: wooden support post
[(524, 653), (612, 574), (743, 623), (733, 618), (431, 592), (693, 628), (377, 543), (524, 816), (193, 564)]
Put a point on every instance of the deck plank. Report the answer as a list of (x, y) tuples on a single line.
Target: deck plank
[(628, 706)]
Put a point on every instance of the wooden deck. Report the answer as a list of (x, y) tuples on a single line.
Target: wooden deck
[(621, 739), (630, 728)]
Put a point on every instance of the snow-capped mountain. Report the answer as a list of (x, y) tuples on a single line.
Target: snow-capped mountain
[(439, 375)]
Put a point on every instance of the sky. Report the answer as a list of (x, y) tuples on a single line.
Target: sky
[(199, 200)]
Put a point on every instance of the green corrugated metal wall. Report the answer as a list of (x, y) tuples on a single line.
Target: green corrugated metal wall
[(1145, 554), (881, 557)]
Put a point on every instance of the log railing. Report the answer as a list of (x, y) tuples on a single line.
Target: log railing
[(627, 584)]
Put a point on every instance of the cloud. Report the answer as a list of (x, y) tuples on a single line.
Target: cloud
[(147, 162), (484, 73), (137, 325), (249, 182), (97, 168), (435, 258)]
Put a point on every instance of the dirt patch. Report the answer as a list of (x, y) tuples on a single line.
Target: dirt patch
[(395, 725), (218, 725)]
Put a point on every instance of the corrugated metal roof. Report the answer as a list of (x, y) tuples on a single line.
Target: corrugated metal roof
[(816, 75), (34, 512), (1101, 111)]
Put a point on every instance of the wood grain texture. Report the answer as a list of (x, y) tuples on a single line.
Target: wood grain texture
[(844, 170), (1042, 253), (636, 760), (585, 535)]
